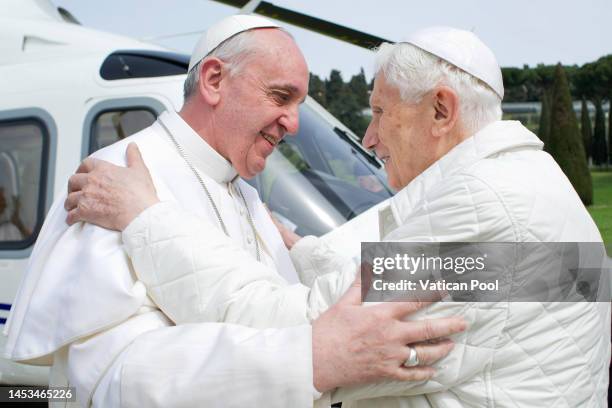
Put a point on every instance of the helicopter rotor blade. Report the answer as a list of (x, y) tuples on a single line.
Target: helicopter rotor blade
[(337, 31)]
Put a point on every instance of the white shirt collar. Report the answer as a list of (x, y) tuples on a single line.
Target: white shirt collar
[(198, 152)]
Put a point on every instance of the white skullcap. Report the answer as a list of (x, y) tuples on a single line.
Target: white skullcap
[(462, 49), (224, 29)]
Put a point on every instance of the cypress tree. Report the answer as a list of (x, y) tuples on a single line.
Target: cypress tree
[(586, 129), (544, 127), (610, 129), (342, 103), (334, 87), (359, 87), (600, 149), (565, 140), (316, 89)]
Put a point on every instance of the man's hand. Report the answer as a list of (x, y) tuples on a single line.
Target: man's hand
[(352, 344), (110, 196), (289, 237)]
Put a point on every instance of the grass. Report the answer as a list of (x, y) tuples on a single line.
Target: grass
[(601, 210)]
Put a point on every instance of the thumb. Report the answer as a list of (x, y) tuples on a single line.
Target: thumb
[(133, 156), (353, 295)]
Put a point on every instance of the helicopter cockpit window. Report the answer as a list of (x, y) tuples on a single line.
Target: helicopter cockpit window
[(316, 181), (112, 126), (23, 151), (143, 64)]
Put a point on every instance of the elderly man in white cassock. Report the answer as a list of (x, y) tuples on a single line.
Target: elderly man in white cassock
[(82, 308), (463, 175)]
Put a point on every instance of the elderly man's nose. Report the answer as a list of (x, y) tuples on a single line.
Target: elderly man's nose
[(370, 139)]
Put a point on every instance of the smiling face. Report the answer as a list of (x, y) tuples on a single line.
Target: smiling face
[(400, 133), (260, 104)]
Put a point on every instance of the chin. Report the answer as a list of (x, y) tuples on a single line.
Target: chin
[(249, 174), (393, 183)]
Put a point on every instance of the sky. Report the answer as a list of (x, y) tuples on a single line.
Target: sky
[(518, 31)]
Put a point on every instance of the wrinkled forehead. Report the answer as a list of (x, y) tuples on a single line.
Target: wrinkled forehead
[(382, 90)]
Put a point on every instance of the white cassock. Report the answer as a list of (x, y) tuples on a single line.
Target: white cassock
[(81, 307)]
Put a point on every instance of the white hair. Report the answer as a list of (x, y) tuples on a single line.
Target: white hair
[(234, 52), (415, 72)]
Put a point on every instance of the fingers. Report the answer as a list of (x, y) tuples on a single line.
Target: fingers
[(87, 165), (429, 353), (413, 373), (72, 201), (77, 212), (90, 164), (419, 330), (77, 181), (73, 217), (401, 309), (133, 156)]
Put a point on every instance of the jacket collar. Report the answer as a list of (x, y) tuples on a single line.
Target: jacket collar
[(494, 138), (199, 153)]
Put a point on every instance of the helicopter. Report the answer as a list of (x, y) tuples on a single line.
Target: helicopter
[(69, 90)]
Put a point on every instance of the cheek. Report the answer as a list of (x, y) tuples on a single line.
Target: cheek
[(255, 157), (393, 135), (237, 147), (385, 132)]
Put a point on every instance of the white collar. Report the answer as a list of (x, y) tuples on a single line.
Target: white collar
[(203, 157), (492, 139)]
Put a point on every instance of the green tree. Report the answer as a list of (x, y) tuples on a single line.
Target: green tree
[(610, 128), (565, 140), (358, 86), (334, 86), (600, 150), (585, 82), (514, 84), (342, 103), (586, 129), (316, 89), (541, 79), (544, 127), (528, 84)]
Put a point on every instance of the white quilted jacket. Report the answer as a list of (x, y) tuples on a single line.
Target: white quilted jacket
[(497, 186)]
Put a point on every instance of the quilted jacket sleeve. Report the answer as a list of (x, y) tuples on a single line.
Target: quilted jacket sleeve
[(197, 274), (461, 210), (316, 262)]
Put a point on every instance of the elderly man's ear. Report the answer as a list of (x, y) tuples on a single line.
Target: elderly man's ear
[(211, 75), (446, 111)]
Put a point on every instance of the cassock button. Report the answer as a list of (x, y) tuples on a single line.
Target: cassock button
[(250, 239)]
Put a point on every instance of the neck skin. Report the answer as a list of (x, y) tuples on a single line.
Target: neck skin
[(455, 137), (200, 117), (452, 141)]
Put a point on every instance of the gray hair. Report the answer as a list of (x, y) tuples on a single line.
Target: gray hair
[(234, 52), (415, 72)]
